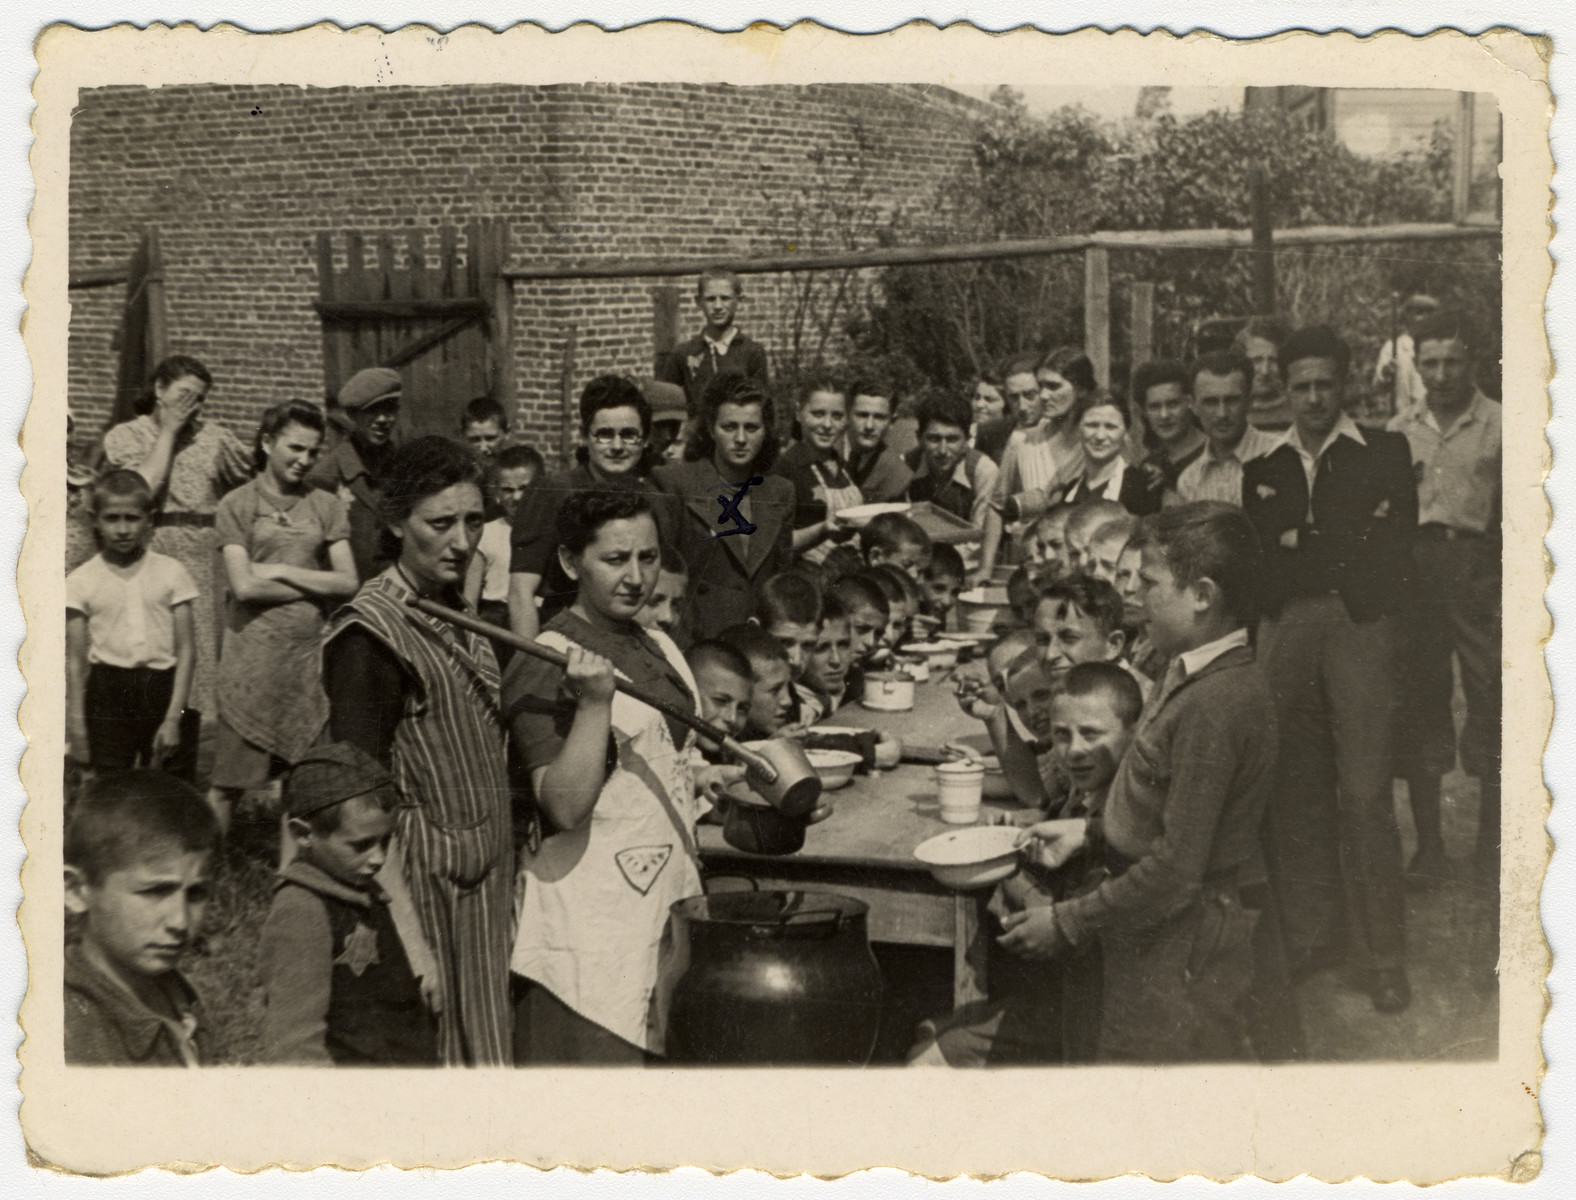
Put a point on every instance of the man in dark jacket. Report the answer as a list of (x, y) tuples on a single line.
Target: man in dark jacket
[(720, 347), (1336, 511), (364, 415)]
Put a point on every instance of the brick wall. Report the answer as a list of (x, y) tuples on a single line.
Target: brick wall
[(239, 180)]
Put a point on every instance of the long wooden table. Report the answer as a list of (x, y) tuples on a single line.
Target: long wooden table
[(865, 849)]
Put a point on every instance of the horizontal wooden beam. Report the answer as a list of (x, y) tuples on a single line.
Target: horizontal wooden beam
[(414, 350), (914, 256), (97, 279), (383, 310)]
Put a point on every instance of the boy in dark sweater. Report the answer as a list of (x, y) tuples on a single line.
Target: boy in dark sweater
[(339, 983), (1176, 913)]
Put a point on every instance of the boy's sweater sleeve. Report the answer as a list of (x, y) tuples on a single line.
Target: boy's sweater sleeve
[(298, 962), (1205, 758)]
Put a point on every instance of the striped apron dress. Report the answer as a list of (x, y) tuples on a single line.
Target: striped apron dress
[(454, 834)]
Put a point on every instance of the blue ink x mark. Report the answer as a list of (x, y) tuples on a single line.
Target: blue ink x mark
[(730, 507)]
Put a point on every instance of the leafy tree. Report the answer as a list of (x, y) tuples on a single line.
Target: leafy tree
[(1069, 172)]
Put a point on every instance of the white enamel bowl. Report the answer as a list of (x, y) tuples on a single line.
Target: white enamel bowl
[(982, 607), (976, 857), (835, 767), (939, 654)]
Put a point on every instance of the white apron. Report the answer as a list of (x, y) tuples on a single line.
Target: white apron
[(835, 499), (596, 898)]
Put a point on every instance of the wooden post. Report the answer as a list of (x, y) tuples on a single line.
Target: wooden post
[(665, 301), (1097, 312), (970, 946), (1461, 199), (158, 320), (333, 339), (501, 296), (1142, 335), (1263, 246), (566, 387)]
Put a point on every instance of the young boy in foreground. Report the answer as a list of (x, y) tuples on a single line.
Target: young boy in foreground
[(1048, 1015), (1179, 837), (138, 856), (130, 646), (340, 986)]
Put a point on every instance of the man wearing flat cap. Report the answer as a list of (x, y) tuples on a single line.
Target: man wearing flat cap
[(364, 415)]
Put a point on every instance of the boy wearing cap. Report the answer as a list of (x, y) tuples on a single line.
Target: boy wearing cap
[(340, 985), (367, 408)]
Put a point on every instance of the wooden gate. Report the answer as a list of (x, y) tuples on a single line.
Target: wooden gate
[(143, 337), (445, 329)]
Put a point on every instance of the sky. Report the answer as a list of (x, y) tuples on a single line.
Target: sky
[(1113, 103)]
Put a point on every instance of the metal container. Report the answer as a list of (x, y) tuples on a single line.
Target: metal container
[(754, 826), (888, 691), (772, 978)]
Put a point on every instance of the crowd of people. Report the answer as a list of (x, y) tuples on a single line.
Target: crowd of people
[(1235, 619)]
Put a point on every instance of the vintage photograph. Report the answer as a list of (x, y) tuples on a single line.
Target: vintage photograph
[(853, 575)]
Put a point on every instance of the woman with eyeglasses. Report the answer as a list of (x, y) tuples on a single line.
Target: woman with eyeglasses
[(615, 430), (734, 441)]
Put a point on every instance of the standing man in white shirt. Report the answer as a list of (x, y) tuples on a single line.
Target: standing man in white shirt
[(1457, 453), (1221, 385)]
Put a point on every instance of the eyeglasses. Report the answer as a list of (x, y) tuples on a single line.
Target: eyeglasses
[(606, 437)]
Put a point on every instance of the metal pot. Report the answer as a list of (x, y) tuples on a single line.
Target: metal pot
[(772, 978), (758, 828), (797, 787)]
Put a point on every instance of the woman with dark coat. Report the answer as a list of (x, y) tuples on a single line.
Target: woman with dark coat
[(734, 442)]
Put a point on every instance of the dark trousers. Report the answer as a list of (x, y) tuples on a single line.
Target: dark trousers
[(1330, 831), (1180, 991), (124, 708), (1458, 614)]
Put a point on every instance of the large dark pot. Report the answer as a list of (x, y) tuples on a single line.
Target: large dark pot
[(773, 978)]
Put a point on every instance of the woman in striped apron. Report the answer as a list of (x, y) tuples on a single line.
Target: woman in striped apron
[(612, 779), (422, 696), (814, 465)]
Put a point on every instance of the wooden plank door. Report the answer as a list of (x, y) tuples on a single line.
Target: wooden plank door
[(444, 327)]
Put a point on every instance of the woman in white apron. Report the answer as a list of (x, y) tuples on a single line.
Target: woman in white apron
[(612, 780), (814, 465)]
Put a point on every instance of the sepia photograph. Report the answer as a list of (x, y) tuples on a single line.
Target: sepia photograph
[(923, 579)]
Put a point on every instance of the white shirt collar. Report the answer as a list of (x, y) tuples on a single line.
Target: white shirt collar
[(1111, 486), (1470, 413), (1345, 427), (1255, 443), (720, 345), (1195, 660)]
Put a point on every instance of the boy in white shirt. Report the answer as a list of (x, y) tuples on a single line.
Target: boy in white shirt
[(130, 645)]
